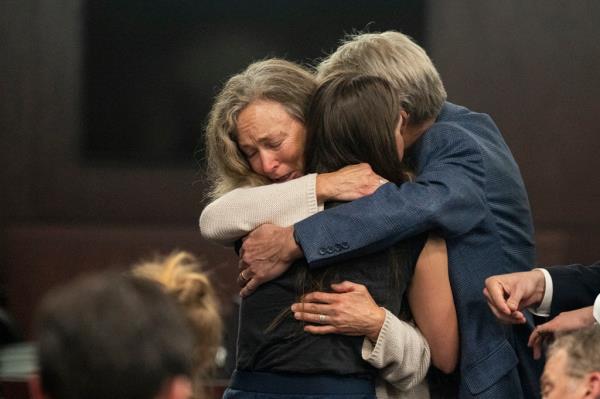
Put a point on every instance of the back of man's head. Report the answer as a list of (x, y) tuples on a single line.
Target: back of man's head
[(111, 336), (397, 58)]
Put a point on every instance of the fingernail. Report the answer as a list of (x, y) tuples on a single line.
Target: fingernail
[(297, 315), (294, 307)]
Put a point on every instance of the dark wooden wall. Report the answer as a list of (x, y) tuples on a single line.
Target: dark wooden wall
[(532, 65), (58, 215)]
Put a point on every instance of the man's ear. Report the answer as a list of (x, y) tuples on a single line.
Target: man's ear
[(592, 384), (35, 387), (405, 119), (179, 387)]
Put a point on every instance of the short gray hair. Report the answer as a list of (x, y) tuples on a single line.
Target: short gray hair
[(397, 58), (284, 82), (582, 348)]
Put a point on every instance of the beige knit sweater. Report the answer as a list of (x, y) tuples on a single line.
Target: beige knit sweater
[(401, 353)]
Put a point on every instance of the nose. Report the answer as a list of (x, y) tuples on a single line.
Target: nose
[(269, 163)]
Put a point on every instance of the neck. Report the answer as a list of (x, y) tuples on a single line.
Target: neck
[(413, 132)]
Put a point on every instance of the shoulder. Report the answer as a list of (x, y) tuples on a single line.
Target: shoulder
[(456, 124), (457, 133)]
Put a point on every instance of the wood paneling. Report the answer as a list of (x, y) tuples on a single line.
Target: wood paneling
[(533, 66), (38, 258)]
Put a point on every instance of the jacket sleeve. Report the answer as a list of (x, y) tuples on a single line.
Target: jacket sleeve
[(574, 286), (401, 353), (447, 196), (240, 211)]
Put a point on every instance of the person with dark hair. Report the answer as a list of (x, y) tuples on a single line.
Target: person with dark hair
[(468, 188), (112, 336), (271, 344)]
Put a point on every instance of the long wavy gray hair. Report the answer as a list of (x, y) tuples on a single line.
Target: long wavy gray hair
[(274, 79)]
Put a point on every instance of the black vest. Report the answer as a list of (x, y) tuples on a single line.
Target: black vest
[(270, 339)]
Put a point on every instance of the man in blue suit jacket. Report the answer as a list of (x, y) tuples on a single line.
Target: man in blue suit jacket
[(468, 189)]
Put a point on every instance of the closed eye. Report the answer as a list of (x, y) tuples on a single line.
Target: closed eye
[(273, 144), (248, 152)]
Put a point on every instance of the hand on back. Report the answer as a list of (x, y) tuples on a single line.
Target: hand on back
[(266, 253), (348, 183)]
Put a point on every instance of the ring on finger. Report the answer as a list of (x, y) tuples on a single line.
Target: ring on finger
[(322, 318), (242, 275)]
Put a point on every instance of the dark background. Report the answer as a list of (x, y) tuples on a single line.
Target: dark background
[(103, 102)]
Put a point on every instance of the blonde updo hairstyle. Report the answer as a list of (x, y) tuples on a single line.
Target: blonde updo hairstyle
[(398, 59), (285, 82), (180, 275)]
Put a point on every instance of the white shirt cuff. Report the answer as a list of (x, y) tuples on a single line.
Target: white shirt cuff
[(597, 309), (544, 307)]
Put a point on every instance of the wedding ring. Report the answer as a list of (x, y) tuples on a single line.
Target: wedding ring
[(322, 318)]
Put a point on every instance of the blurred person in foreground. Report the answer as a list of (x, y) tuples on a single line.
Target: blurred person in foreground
[(573, 367), (112, 336)]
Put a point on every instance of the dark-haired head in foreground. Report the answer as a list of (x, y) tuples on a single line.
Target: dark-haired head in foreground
[(112, 336)]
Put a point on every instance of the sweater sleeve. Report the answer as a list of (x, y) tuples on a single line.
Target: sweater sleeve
[(401, 353), (240, 211)]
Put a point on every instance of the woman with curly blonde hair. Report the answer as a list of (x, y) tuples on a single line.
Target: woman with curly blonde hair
[(181, 275)]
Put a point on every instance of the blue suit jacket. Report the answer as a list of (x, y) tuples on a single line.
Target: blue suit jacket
[(574, 287), (469, 190)]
